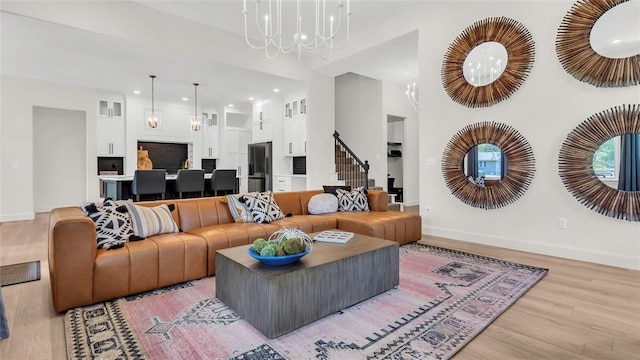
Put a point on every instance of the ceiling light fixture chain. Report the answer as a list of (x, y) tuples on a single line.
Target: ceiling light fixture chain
[(153, 120), (412, 96), (273, 30)]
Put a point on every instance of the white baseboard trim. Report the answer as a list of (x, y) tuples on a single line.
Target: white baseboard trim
[(629, 262), (17, 217), (412, 203)]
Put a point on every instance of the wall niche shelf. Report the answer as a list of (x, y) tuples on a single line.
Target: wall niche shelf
[(393, 153)]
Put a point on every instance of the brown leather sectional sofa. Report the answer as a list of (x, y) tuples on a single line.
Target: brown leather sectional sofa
[(82, 275)]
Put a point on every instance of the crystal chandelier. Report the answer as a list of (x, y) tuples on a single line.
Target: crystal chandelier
[(152, 120), (276, 42), (196, 120), (413, 97)]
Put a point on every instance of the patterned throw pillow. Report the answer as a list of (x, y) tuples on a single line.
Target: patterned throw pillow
[(113, 228), (263, 207), (115, 203), (238, 210), (147, 221), (323, 204), (355, 200)]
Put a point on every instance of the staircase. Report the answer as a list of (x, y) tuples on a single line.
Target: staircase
[(349, 168)]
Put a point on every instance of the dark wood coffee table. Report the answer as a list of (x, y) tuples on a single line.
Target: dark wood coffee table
[(279, 299)]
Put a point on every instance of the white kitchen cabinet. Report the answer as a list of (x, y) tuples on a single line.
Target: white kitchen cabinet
[(110, 126), (110, 137), (236, 153), (262, 131), (295, 136), (110, 106), (210, 142), (283, 183), (262, 125)]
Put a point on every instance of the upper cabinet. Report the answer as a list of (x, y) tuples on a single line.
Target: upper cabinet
[(295, 128), (111, 106), (211, 137), (262, 125), (110, 126), (295, 136)]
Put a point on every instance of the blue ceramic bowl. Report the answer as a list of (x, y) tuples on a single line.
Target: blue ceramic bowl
[(278, 260)]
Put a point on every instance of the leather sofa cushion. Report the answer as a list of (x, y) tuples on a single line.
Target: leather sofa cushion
[(308, 223), (397, 226), (158, 261), (229, 235)]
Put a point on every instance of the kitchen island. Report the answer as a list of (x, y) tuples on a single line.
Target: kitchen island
[(118, 187)]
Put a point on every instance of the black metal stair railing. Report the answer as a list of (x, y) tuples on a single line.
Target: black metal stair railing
[(349, 167)]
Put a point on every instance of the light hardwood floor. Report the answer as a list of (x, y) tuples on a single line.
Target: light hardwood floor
[(578, 311)]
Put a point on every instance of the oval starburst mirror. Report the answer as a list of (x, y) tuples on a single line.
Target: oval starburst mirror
[(598, 42), (506, 144), (487, 62), (583, 166)]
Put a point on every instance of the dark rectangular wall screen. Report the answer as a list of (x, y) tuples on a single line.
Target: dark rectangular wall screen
[(168, 156), (300, 165)]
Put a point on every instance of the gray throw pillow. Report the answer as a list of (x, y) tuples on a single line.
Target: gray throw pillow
[(323, 204)]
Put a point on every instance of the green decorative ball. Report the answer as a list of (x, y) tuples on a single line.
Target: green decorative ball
[(268, 251), (259, 244), (293, 246)]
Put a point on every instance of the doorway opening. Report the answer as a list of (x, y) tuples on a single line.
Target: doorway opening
[(395, 162)]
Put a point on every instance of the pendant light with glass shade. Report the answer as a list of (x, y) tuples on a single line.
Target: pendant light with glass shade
[(152, 121), (196, 120)]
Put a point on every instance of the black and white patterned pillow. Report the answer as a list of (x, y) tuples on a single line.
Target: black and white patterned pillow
[(263, 207), (115, 203), (113, 227), (355, 200)]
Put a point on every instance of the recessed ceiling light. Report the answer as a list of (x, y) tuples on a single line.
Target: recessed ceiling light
[(185, 99), (137, 92), (250, 99), (276, 90), (615, 41), (230, 105)]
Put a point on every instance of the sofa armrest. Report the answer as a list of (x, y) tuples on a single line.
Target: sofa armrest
[(72, 254), (378, 200)]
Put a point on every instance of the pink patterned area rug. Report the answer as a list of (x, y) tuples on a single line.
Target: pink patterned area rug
[(444, 299)]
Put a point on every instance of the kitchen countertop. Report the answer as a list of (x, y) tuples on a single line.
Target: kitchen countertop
[(292, 175), (130, 177)]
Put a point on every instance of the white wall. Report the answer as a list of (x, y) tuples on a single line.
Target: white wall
[(545, 109), (18, 97), (360, 121), (320, 126), (395, 103), (60, 167)]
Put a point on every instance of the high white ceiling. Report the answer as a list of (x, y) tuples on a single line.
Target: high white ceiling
[(46, 51)]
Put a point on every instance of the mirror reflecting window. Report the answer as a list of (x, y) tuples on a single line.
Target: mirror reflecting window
[(605, 159), (585, 155), (616, 34), (485, 164), (485, 63)]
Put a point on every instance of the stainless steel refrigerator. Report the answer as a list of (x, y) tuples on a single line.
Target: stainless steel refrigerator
[(260, 165)]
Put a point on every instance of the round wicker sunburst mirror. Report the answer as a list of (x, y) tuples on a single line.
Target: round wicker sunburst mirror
[(575, 162), (516, 180), (577, 56), (520, 49)]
